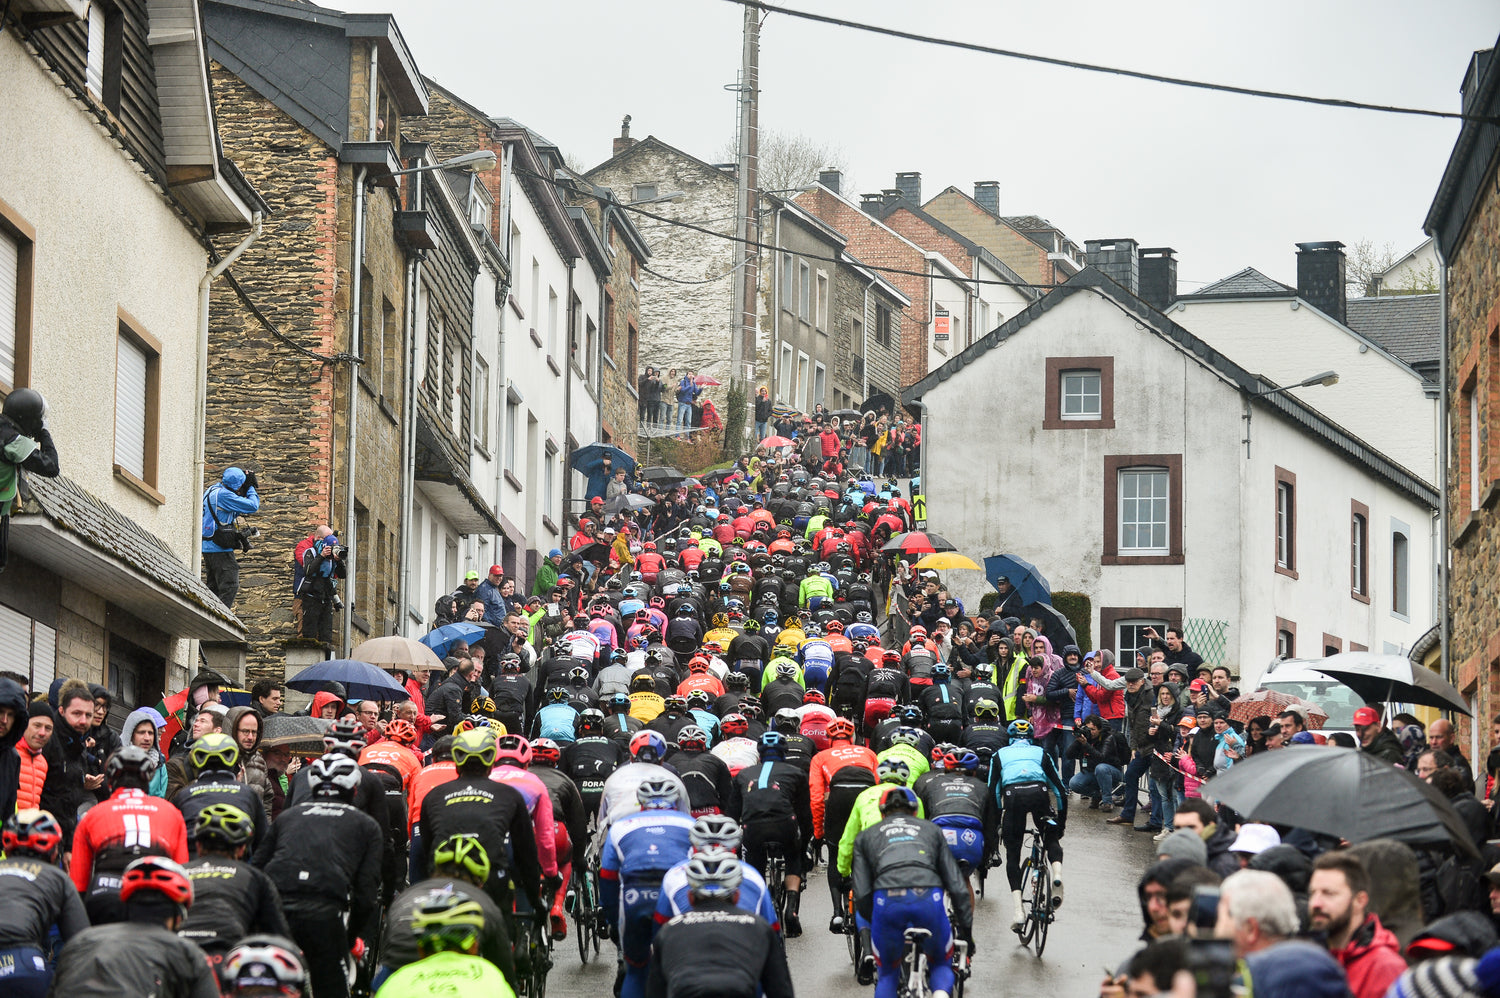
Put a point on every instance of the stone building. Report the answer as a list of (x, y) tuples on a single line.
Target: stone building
[(1465, 222), (111, 182), (313, 103), (1034, 248)]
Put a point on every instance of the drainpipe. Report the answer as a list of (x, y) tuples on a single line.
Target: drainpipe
[(205, 286), (503, 402), (356, 318), (408, 436), (1444, 442), (567, 451), (780, 268), (864, 347)]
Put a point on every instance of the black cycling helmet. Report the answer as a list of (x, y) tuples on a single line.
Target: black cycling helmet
[(130, 766), (26, 408)]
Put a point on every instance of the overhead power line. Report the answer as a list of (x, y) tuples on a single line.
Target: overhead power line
[(1090, 67)]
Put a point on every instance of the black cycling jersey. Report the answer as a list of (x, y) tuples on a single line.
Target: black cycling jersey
[(132, 958), (716, 950), (706, 777), (588, 763), (231, 900), (324, 858), (220, 788), (798, 749), (772, 791), (568, 811), (492, 811), (34, 896), (903, 851)]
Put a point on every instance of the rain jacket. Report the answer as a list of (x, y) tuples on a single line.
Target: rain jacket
[(864, 814), (1044, 715), (224, 502), (11, 768), (1371, 959)]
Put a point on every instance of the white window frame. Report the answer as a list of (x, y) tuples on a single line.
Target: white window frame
[(1359, 537), (1400, 570), (551, 323), (788, 370), (512, 417), (1286, 643), (1079, 390), (1286, 524), (481, 404), (821, 310), (788, 283), (804, 383), (10, 303), (820, 384), (1474, 496), (804, 291), (132, 374), (1130, 500), (1125, 654)]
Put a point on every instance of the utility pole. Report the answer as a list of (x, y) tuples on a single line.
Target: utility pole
[(742, 341)]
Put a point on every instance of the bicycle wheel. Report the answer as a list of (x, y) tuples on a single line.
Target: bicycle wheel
[(1041, 905), (1028, 902), (851, 931), (541, 958), (581, 908)]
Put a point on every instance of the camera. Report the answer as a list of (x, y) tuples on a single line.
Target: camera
[(244, 537), (1214, 968)]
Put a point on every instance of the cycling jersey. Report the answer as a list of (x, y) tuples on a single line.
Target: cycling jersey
[(132, 958), (915, 760), (864, 814), (491, 811), (618, 798), (737, 753), (638, 851), (556, 721), (398, 944), (447, 973), (588, 763), (706, 777), (754, 896), (539, 806), (35, 896), (398, 757), (825, 766), (717, 951), (231, 900), (220, 788), (111, 836)]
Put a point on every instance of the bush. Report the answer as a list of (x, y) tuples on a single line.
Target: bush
[(1077, 607), (735, 407)]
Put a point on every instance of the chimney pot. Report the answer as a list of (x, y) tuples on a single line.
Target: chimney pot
[(871, 203), (1320, 277), (831, 179), (910, 186), (1158, 276), (987, 193), (1115, 259), (623, 141)]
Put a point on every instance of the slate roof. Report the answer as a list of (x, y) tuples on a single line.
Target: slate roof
[(1311, 421), (1027, 222), (1410, 327), (74, 509), (1244, 284)]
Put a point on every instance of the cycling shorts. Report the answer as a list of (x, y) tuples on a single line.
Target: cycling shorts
[(965, 837)]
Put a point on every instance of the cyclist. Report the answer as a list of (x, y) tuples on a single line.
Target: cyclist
[(143, 954), (619, 725), (782, 686), (905, 745), (591, 757), (715, 833), (796, 748), (513, 697), (639, 850), (1024, 774), (570, 823), (396, 753), (839, 774), (865, 812), (34, 896), (647, 749), (123, 828), (945, 704), (264, 965), (735, 747), (716, 948), (472, 803), (215, 757), (673, 718), (231, 898), (701, 710), (901, 871), (460, 867), (512, 756), (449, 929), (770, 800), (985, 731), (324, 857), (961, 804), (557, 718), (706, 776), (736, 689)]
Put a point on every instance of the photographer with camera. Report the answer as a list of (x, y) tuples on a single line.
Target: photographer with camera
[(233, 497), (24, 443), (322, 567)]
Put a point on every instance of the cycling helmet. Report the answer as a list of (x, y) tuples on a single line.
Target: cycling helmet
[(911, 715), (477, 745), (736, 680), (510, 662), (940, 671), (939, 754), (722, 619), (402, 732), (700, 700), (446, 920), (906, 735), (772, 746), (1020, 728), (917, 633), (214, 752), (619, 703), (734, 725), (893, 771), (579, 675), (841, 729), (751, 708), (692, 739), (647, 746), (335, 775), (545, 752), (863, 616), (224, 825), (962, 759), (159, 874), (860, 646), (132, 766), (513, 750), (642, 682), (890, 658), (264, 963), (835, 627), (898, 798), (771, 617), (674, 704), (787, 669), (752, 626), (657, 793), (637, 642), (590, 721), (699, 664), (715, 831), (714, 873), (34, 832), (559, 694), (786, 720), (344, 736), (465, 852), (986, 708)]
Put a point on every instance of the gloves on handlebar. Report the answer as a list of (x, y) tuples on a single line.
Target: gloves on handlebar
[(966, 933)]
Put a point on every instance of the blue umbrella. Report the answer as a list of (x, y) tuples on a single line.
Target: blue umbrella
[(442, 639), (1023, 576), (361, 680), (589, 459)]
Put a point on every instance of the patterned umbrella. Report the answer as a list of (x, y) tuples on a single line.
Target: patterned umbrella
[(1269, 703), (919, 542), (775, 441)]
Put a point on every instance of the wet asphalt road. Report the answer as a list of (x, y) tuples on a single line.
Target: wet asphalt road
[(1096, 927)]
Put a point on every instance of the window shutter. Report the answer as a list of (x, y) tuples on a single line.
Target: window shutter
[(10, 278), (44, 657), (15, 642), (130, 407), (93, 74)]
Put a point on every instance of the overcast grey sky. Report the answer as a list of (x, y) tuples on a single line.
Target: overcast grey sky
[(1228, 181)]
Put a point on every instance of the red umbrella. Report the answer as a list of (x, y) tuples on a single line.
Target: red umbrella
[(1269, 703), (775, 441), (707, 381), (919, 542)]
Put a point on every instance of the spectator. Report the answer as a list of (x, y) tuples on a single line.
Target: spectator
[(13, 723), (762, 413), (547, 573), (31, 749), (687, 393), (1440, 736), (143, 730), (74, 772), (1337, 905), (1175, 651), (1374, 738), (267, 697), (488, 592)]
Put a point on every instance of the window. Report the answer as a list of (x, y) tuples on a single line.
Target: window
[(390, 352), (799, 391), (1123, 628), (608, 318), (1130, 638), (536, 294), (17, 240), (512, 416), (1400, 569), (788, 282), (882, 325), (363, 588), (549, 476), (436, 343), (642, 192), (551, 323), (1473, 450), (366, 321), (1079, 393), (1286, 639), (1143, 509), (103, 66), (822, 309), (482, 403), (1286, 523), (804, 291), (1359, 551), (785, 388), (1332, 645), (632, 343), (590, 339), (419, 360), (137, 405), (820, 379)]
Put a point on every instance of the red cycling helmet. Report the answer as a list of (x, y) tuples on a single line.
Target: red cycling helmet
[(33, 831), (835, 627), (735, 724), (513, 749), (402, 732), (157, 873), (546, 752), (813, 696), (841, 729)]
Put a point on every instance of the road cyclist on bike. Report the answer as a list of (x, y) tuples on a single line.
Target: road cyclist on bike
[(863, 814), (710, 833), (34, 896), (770, 800), (1026, 780), (231, 898), (569, 824), (264, 967), (449, 929), (902, 871), (961, 804)]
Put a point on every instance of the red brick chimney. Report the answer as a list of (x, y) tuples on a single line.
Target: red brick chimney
[(623, 141)]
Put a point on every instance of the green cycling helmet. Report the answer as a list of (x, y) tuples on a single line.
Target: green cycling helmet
[(223, 824), (475, 745), (214, 751), (466, 852), (447, 920)]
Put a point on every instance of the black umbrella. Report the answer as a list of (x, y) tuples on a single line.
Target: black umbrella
[(594, 552), (302, 735), (662, 473), (1343, 792), (1055, 627), (1382, 678), (847, 413), (627, 500)]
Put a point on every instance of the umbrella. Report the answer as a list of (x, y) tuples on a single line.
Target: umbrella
[(1023, 576), (774, 441), (944, 560), (303, 735), (1269, 703), (878, 401), (848, 413), (396, 652), (1056, 628), (589, 459), (627, 500), (1382, 678), (782, 409), (707, 381), (1339, 791), (662, 473), (918, 542), (691, 483), (594, 552), (442, 639), (361, 680)]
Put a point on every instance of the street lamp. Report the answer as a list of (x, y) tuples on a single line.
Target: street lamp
[(479, 161), (1327, 380)]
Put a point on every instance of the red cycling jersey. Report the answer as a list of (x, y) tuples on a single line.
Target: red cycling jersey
[(125, 827)]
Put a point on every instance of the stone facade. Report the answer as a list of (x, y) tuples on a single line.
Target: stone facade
[(863, 366), (798, 317), (958, 211), (620, 322)]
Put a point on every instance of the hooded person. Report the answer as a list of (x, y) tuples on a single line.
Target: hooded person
[(139, 722), (12, 701), (326, 699), (1396, 894), (105, 739), (1463, 933), (1151, 892), (1293, 867), (252, 763), (203, 689), (1044, 714)]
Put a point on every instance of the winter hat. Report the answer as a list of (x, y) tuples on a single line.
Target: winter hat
[(1183, 844), (38, 708), (1134, 675), (1304, 738), (1443, 977), (1463, 933), (1296, 969)]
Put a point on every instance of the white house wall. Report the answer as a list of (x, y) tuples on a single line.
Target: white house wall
[(954, 297)]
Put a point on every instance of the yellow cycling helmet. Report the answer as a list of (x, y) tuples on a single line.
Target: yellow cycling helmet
[(474, 745), (465, 852)]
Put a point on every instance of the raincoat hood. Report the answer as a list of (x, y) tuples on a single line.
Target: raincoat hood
[(232, 721), (321, 700), (127, 730), (12, 696), (1296, 969), (233, 478)]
